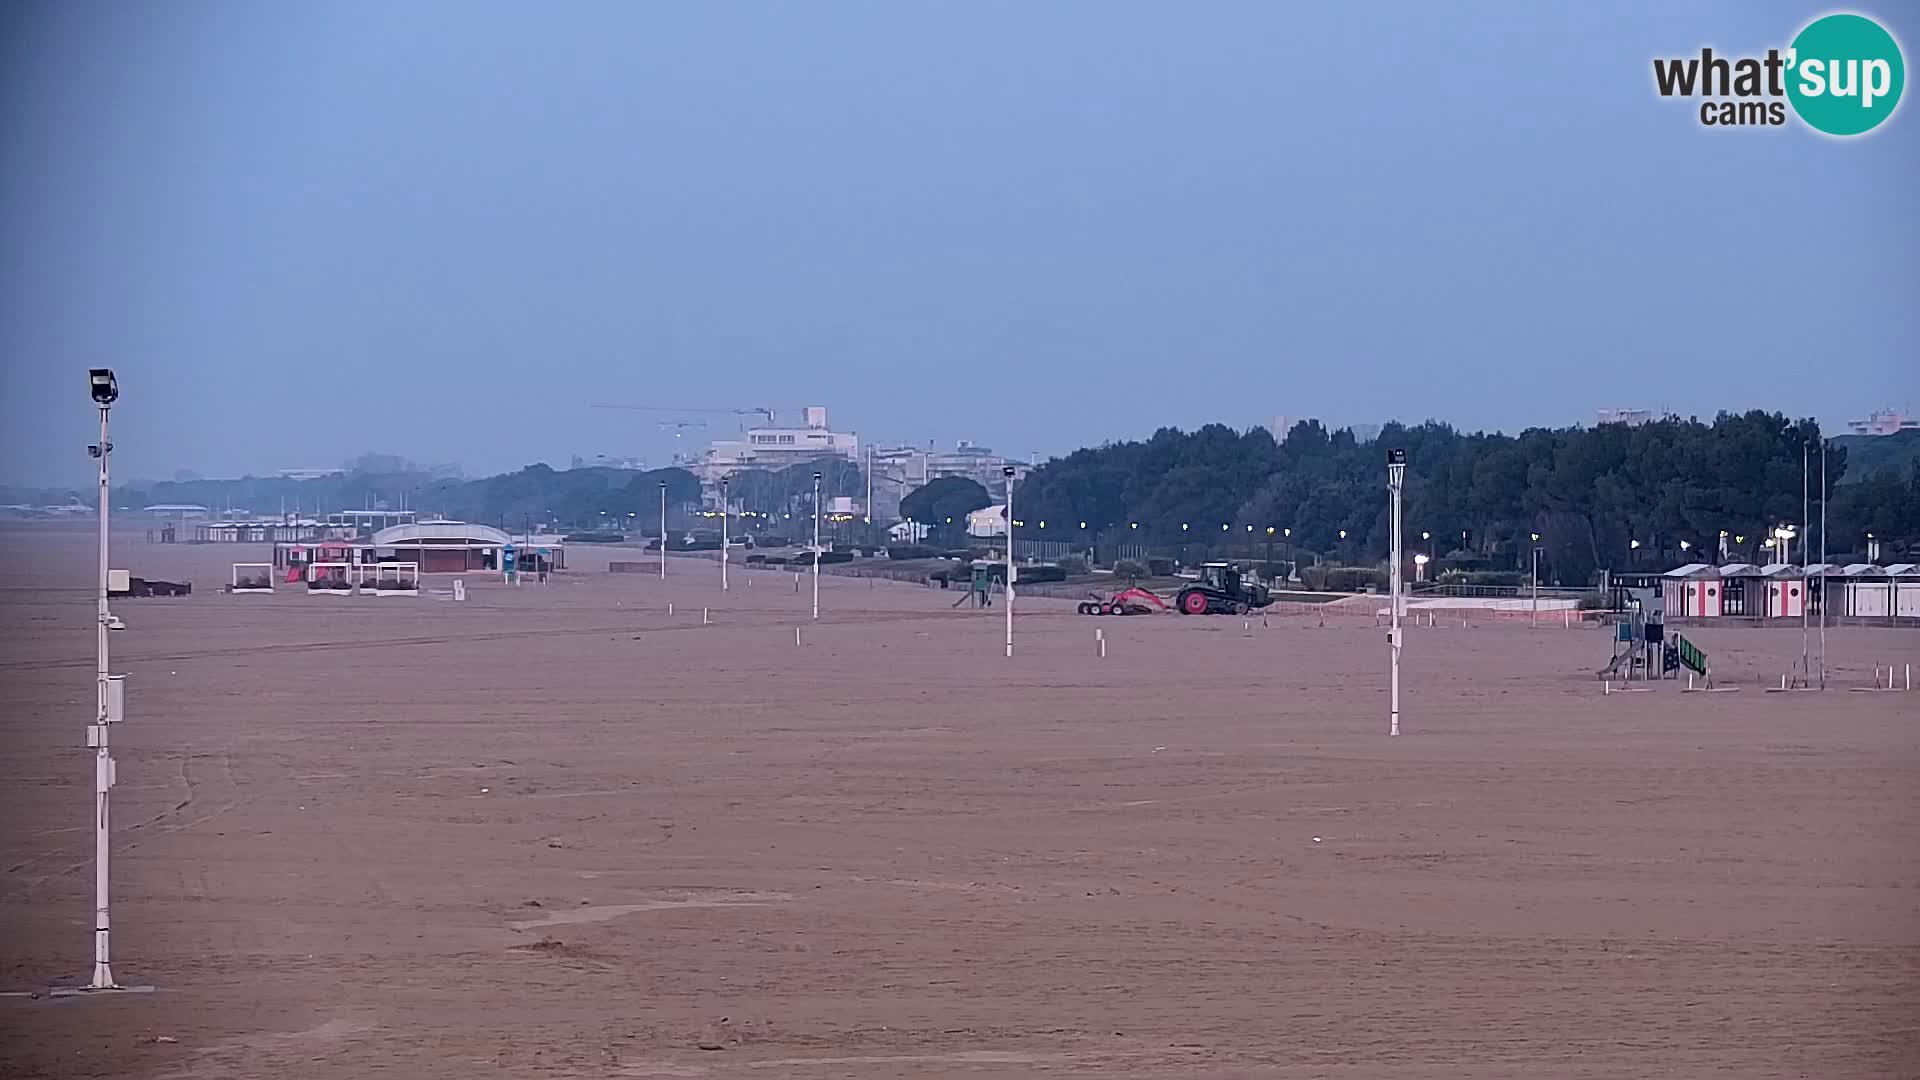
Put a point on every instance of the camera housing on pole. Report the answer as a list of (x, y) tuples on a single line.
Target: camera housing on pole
[(1396, 482)]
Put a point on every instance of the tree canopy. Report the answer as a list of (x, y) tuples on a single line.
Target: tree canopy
[(947, 497), (1590, 493)]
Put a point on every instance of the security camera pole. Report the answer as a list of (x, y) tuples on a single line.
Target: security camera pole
[(816, 545), (663, 530), (1007, 471), (109, 703), (1396, 480), (724, 481)]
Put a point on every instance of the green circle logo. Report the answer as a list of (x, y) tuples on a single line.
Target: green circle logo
[(1845, 74)]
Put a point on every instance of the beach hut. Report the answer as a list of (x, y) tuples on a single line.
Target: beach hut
[(1786, 590), (1691, 591)]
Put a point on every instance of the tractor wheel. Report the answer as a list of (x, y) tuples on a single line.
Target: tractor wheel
[(1116, 609), (1193, 602), (1082, 608)]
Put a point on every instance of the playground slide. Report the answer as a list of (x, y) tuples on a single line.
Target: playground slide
[(1691, 656), (1613, 666)]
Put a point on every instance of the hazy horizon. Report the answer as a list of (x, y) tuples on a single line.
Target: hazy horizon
[(300, 233)]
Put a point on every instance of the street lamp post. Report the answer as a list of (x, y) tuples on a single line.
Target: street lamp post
[(1007, 472), (663, 530), (109, 702), (816, 545), (1396, 480), (1533, 579), (724, 541)]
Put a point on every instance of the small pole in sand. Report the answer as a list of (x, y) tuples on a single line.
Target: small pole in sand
[(669, 607), (796, 635), (703, 617)]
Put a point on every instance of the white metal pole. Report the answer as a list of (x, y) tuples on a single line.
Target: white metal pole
[(1396, 475), (1011, 571), (1805, 597), (816, 545), (103, 759), (1823, 562), (1533, 580), (663, 532), (723, 534)]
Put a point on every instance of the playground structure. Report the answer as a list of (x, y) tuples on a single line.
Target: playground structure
[(1133, 601), (251, 583), (1642, 652)]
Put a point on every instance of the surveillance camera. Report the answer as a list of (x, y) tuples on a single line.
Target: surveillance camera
[(1396, 456), (1006, 471), (105, 388)]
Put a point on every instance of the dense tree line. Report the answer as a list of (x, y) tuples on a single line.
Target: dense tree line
[(537, 494), (1589, 493)]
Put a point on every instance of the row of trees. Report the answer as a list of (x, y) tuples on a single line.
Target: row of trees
[(1611, 496)]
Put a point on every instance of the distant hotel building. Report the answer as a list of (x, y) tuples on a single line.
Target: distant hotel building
[(1884, 422), (1629, 417), (777, 447)]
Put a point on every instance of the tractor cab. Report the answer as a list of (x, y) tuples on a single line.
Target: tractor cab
[(1221, 576)]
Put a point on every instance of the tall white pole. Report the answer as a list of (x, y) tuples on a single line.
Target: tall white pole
[(1805, 597), (663, 531), (1823, 562), (104, 714), (816, 545), (723, 534), (1396, 477), (1011, 571)]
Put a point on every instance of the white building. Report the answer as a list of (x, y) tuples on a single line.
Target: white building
[(991, 521), (1884, 422), (777, 447), (1629, 417), (899, 471)]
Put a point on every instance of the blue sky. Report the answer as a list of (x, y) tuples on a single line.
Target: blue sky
[(300, 232)]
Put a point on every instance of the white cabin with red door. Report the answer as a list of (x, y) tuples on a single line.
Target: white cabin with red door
[(1692, 591), (1786, 586)]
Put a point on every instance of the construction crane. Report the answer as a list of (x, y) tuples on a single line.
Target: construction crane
[(769, 413)]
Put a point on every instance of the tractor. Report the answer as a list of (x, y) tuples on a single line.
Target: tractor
[(1221, 591)]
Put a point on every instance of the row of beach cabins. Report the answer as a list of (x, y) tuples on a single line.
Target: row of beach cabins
[(1790, 591)]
